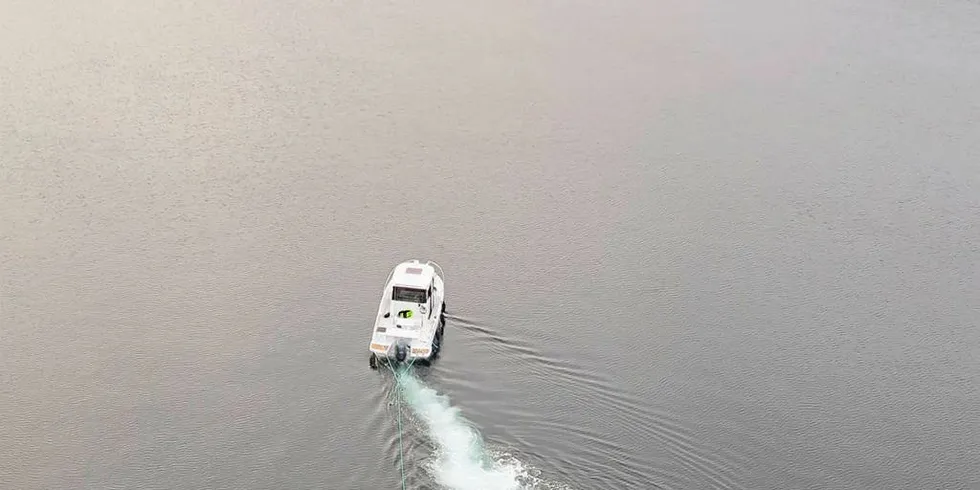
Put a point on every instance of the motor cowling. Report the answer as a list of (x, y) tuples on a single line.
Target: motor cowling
[(401, 352)]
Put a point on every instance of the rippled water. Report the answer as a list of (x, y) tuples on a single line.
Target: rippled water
[(687, 246)]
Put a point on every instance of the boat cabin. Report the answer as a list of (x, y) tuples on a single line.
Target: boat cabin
[(412, 292)]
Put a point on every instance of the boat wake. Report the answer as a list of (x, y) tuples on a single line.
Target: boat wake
[(462, 462)]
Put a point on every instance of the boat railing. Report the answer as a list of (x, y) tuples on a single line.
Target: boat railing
[(384, 290), (438, 268)]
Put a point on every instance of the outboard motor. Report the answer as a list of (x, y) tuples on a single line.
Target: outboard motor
[(401, 352)]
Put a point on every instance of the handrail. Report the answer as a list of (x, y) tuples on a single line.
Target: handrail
[(384, 293), (439, 267), (391, 274)]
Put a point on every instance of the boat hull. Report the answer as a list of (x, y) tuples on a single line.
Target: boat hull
[(411, 316)]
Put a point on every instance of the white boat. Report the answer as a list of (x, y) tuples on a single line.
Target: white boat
[(411, 318)]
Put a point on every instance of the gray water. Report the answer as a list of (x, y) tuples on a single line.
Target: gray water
[(688, 245)]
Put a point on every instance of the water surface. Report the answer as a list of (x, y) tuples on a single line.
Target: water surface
[(687, 246)]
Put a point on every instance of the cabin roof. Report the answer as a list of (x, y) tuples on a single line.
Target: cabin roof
[(413, 275)]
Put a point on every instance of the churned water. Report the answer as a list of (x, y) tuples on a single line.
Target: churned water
[(462, 459)]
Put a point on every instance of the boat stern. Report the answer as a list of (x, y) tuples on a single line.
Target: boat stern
[(400, 351)]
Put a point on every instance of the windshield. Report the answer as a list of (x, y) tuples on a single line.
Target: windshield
[(408, 294)]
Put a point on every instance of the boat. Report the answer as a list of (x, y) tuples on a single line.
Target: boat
[(411, 317)]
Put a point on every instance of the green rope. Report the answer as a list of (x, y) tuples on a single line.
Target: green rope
[(401, 450), (398, 409)]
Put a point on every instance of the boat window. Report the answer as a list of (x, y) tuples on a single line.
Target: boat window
[(408, 294)]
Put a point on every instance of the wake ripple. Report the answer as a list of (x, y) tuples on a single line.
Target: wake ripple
[(715, 465)]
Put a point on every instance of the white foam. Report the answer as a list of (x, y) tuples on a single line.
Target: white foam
[(461, 461)]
